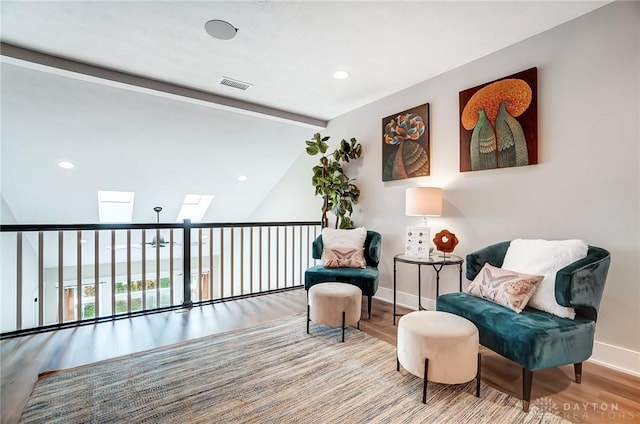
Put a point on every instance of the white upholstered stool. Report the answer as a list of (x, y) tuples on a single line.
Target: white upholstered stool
[(334, 304), (439, 347)]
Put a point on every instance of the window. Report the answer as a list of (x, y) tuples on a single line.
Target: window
[(115, 206), (194, 207)]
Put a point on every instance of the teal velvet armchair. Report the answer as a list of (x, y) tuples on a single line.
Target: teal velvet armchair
[(364, 278), (535, 339)]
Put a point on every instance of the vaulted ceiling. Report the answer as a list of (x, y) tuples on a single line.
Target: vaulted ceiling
[(136, 103)]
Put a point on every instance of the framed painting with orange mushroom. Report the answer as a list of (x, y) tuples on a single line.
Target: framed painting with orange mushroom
[(499, 123), (405, 144)]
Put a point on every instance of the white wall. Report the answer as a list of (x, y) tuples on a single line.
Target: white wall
[(292, 199), (586, 185)]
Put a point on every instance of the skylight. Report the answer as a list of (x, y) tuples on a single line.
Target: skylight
[(115, 206), (194, 207)]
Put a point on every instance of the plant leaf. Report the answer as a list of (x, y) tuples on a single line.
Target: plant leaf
[(312, 150)]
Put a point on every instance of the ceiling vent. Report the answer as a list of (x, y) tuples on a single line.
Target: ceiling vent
[(229, 82)]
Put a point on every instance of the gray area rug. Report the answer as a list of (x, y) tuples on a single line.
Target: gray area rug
[(274, 373)]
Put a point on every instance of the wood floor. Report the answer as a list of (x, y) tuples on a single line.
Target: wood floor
[(605, 395)]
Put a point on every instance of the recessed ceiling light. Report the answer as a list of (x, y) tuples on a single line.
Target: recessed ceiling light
[(242, 178), (222, 30), (341, 75), (66, 165)]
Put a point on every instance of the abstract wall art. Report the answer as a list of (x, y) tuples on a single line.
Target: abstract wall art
[(499, 123), (405, 144)]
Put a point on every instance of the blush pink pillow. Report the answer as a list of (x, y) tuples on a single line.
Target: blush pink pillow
[(344, 257), (507, 288)]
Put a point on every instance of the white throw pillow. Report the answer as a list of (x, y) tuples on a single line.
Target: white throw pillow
[(332, 238), (545, 257)]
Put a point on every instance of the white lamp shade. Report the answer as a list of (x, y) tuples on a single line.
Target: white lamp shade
[(423, 201)]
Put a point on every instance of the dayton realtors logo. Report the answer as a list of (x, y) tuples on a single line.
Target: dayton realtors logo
[(579, 411), (546, 406)]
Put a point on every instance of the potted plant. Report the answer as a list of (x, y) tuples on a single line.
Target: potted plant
[(338, 192)]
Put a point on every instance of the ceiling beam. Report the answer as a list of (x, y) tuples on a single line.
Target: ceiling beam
[(48, 63)]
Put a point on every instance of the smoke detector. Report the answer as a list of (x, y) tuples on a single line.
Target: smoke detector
[(222, 30)]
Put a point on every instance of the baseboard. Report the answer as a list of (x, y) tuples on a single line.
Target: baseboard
[(610, 356), (406, 300), (618, 358)]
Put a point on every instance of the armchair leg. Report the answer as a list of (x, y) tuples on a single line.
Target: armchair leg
[(308, 308), (369, 307), (527, 382), (578, 370)]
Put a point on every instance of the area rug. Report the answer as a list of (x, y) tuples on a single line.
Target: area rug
[(273, 373)]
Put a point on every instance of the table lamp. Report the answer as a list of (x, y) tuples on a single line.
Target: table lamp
[(421, 201)]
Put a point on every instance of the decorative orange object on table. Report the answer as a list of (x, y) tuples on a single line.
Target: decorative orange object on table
[(445, 241)]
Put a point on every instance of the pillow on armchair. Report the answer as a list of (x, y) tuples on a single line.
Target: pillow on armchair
[(344, 257), (343, 248), (545, 257), (504, 287)]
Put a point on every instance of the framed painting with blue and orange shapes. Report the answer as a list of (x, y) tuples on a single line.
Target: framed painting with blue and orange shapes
[(405, 144)]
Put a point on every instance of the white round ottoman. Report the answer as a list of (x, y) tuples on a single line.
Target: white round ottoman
[(334, 304), (439, 347)]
